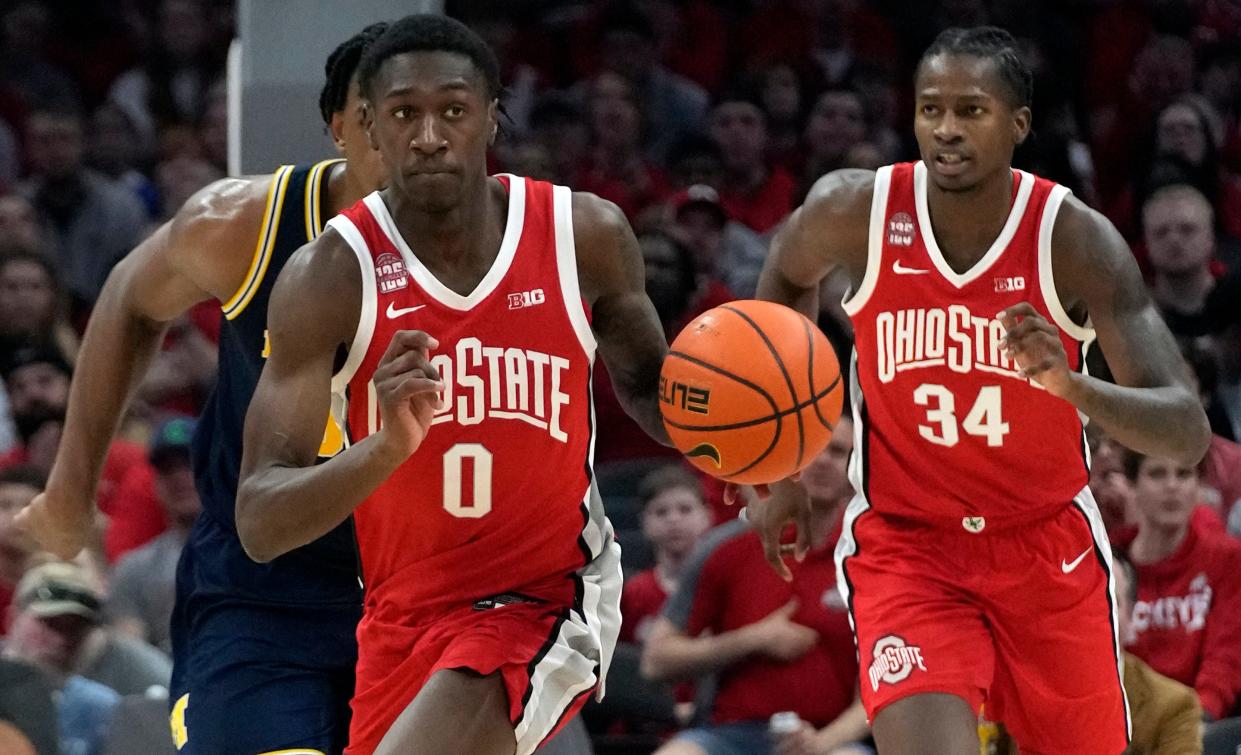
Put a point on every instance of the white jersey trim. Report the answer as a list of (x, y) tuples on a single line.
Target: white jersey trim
[(499, 268), (1046, 276), (566, 266), (853, 301), (370, 303), (1015, 213)]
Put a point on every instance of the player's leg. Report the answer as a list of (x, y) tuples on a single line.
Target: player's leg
[(929, 723), (923, 646), (1058, 678), (456, 711)]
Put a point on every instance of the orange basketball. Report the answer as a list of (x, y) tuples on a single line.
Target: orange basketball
[(750, 392)]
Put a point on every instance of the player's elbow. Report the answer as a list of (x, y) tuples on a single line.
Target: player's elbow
[(252, 529), (1198, 438)]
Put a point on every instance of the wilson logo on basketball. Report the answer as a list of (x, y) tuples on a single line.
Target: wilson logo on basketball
[(390, 273), (893, 661), (682, 396)]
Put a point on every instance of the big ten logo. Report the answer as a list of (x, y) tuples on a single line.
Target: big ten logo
[(687, 397), (1015, 283), (523, 299), (333, 437), (901, 229), (390, 273)]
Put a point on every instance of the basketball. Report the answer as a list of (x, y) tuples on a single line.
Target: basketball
[(750, 392)]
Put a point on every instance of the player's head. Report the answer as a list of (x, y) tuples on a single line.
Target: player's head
[(1164, 492), (972, 105), (827, 476), (1178, 224), (432, 88), (674, 514), (340, 104)]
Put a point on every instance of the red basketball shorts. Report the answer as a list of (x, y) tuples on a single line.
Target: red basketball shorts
[(1020, 616), (549, 656)]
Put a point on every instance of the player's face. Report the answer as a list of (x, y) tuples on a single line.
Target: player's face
[(432, 121), (1165, 493), (964, 121), (349, 133), (675, 519)]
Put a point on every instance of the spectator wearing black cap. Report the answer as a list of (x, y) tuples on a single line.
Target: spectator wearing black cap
[(755, 192), (724, 250), (143, 586)]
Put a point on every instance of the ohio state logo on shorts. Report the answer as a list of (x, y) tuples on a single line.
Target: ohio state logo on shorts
[(893, 661)]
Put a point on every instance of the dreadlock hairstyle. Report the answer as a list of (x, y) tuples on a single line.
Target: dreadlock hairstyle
[(425, 32), (989, 43), (341, 65)]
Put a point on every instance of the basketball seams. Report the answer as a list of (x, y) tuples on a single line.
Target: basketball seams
[(805, 324), (788, 380), (779, 413)]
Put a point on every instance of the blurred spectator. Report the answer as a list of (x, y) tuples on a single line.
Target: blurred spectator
[(1187, 618), (213, 127), (19, 226), (32, 307), (1111, 488), (673, 105), (754, 192), (617, 169), (180, 178), (26, 703), (783, 98), (143, 587), (1189, 129), (94, 222), (112, 150), (183, 372), (725, 252), (1219, 81), (170, 86), (674, 517), (836, 125), (556, 124), (865, 156), (18, 486), (695, 160), (24, 63), (1180, 245), (768, 640), (1219, 473)]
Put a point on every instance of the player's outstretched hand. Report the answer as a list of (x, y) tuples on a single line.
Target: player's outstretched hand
[(1035, 345), (58, 526), (408, 387), (784, 502), (777, 636)]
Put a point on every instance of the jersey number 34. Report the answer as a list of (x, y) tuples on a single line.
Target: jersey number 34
[(984, 420)]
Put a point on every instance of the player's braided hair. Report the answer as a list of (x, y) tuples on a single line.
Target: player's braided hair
[(427, 32), (341, 65), (991, 43)]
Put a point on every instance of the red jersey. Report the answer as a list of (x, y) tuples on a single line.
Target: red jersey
[(498, 498), (947, 429), (1187, 619)]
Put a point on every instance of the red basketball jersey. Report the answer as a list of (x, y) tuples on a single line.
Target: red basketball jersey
[(947, 429), (498, 497)]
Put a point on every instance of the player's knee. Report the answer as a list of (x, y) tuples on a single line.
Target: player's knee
[(927, 724)]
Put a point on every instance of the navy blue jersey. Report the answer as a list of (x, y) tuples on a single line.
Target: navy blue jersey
[(325, 571)]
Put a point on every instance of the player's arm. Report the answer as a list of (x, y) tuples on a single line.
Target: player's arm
[(203, 252), (1150, 408), (626, 327), (285, 500)]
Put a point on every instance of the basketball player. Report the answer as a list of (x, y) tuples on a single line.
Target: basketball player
[(470, 309), (263, 655), (973, 558)]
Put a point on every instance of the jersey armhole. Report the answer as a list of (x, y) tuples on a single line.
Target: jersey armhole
[(566, 268), (1046, 276), (263, 247), (314, 197), (370, 298), (853, 301)]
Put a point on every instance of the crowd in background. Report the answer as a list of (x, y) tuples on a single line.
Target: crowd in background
[(706, 121)]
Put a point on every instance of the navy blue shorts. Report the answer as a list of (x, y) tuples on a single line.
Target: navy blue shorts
[(249, 680)]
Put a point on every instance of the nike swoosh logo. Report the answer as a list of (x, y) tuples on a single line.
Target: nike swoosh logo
[(1068, 566), (394, 313), (900, 269)]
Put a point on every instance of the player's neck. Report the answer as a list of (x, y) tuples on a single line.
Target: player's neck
[(1184, 293), (1154, 543), (966, 223), (344, 189), (473, 229)]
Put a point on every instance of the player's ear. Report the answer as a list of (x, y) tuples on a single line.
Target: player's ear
[(368, 124), (1021, 124), (493, 117), (337, 127)]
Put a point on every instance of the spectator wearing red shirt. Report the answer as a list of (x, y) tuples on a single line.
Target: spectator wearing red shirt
[(674, 518), (754, 191), (617, 170), (1187, 619)]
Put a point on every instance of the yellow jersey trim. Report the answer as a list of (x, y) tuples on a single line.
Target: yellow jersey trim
[(293, 752), (314, 192), (262, 249)]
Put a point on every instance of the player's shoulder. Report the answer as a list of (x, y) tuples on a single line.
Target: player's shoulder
[(1085, 245), (595, 216), (841, 194)]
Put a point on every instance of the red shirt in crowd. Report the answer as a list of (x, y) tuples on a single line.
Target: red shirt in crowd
[(641, 602), (764, 207), (728, 585), (1187, 618)]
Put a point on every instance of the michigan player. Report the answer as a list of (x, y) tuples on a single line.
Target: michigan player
[(973, 559), (492, 577), (263, 654)]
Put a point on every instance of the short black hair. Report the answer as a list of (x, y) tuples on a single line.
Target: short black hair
[(991, 43), (668, 477), (341, 65), (428, 32)]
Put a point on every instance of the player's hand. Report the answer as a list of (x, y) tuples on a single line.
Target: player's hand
[(408, 387), (57, 524), (784, 502), (777, 636), (1035, 345)]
